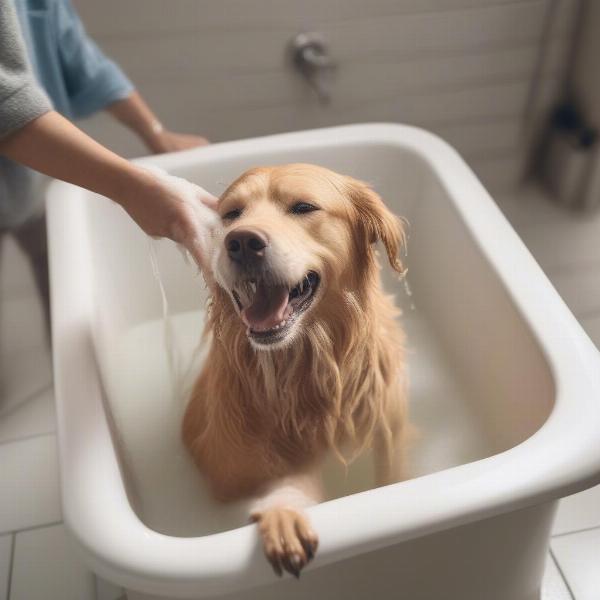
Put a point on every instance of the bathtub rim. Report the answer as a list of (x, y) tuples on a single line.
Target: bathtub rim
[(562, 457)]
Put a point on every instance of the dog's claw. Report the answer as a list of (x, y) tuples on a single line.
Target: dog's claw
[(289, 543), (308, 549), (276, 566), (297, 564), (292, 565)]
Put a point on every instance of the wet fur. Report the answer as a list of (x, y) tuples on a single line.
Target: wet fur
[(258, 416)]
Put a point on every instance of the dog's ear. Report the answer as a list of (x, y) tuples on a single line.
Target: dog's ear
[(377, 223)]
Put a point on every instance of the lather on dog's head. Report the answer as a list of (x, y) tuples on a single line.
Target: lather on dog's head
[(297, 240)]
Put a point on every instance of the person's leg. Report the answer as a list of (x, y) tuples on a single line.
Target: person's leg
[(31, 238)]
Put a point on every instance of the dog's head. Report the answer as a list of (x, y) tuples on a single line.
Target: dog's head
[(295, 238)]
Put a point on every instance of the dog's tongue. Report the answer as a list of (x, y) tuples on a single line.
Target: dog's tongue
[(268, 307)]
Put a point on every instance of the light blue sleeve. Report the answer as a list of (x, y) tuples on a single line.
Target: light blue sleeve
[(91, 79)]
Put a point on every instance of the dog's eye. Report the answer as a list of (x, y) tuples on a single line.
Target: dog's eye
[(303, 207), (232, 214)]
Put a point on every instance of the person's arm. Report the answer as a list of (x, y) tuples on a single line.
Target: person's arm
[(94, 82), (134, 113), (54, 146), (35, 136)]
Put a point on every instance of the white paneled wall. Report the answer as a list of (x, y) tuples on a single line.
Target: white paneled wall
[(462, 68)]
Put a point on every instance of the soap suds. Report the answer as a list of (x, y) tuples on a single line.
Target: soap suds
[(207, 225), (206, 222)]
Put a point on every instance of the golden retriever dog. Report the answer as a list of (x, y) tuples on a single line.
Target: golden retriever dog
[(306, 354)]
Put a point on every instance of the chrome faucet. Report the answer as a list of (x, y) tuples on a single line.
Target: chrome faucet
[(311, 58)]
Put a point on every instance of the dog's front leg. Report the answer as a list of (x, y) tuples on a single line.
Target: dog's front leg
[(288, 539)]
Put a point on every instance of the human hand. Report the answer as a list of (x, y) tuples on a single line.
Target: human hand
[(162, 205), (172, 207), (169, 141), (134, 113)]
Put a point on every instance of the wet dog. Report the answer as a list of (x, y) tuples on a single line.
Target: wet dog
[(306, 354)]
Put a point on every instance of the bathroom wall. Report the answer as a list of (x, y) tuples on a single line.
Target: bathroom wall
[(471, 70)]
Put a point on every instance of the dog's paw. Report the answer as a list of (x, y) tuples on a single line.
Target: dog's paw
[(288, 539)]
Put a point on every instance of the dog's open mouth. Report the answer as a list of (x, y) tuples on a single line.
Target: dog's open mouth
[(269, 310)]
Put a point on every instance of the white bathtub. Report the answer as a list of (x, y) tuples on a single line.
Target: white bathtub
[(505, 388)]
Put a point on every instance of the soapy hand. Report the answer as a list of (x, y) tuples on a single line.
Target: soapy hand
[(177, 209)]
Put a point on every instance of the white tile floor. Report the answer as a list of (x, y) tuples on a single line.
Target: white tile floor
[(61, 577), (36, 561)]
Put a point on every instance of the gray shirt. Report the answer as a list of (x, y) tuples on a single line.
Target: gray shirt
[(21, 101)]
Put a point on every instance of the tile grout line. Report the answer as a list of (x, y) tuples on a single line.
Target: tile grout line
[(582, 530), (32, 436), (561, 573), (44, 388), (11, 564), (32, 528)]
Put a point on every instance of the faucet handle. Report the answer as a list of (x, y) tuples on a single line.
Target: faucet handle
[(312, 59)]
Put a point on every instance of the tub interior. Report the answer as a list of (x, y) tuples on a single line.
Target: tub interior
[(479, 383)]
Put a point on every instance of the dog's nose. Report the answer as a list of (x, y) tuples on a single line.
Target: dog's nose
[(244, 245)]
